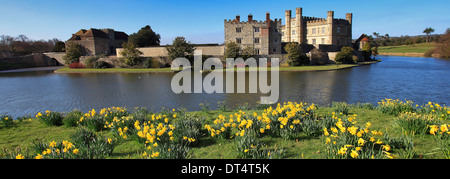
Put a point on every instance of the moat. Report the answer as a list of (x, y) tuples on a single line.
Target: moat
[(413, 78)]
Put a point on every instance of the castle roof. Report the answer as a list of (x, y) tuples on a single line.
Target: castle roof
[(96, 33)]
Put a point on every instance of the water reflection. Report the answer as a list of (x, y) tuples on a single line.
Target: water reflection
[(417, 79)]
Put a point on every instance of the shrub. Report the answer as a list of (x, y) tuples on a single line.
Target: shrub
[(151, 63), (6, 120), (318, 57), (364, 106), (341, 107), (295, 55), (442, 112), (50, 118), (442, 135), (130, 54), (188, 127), (76, 65), (73, 53), (101, 65), (345, 55), (55, 150), (415, 123), (91, 61), (346, 140), (395, 107), (91, 145), (71, 119)]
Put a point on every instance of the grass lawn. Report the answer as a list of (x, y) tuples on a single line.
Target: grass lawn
[(302, 146), (168, 70), (417, 48), (114, 70)]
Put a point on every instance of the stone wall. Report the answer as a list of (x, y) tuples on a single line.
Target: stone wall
[(162, 51), (29, 61)]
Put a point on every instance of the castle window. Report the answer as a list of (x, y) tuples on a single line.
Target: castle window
[(256, 29), (274, 50), (256, 40), (257, 51), (313, 41), (323, 41), (238, 40), (323, 30), (293, 32), (338, 29), (314, 31), (238, 30)]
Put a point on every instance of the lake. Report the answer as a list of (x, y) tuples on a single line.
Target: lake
[(413, 78)]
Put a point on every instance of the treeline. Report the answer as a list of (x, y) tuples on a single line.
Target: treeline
[(385, 40), (442, 49), (22, 45)]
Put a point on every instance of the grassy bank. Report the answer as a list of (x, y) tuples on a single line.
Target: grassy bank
[(168, 70), (416, 48), (393, 129), (114, 70)]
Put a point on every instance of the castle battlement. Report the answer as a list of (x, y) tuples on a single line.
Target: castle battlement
[(319, 21)]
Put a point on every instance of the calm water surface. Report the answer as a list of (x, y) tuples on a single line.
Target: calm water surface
[(417, 79)]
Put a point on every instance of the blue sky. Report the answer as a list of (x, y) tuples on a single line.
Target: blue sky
[(201, 21)]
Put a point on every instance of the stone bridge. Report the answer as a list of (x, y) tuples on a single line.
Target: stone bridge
[(58, 56)]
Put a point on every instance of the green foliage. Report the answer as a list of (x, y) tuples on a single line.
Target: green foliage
[(6, 120), (90, 61), (180, 48), (51, 118), (367, 51), (151, 63), (247, 52), (73, 53), (71, 119), (295, 55), (145, 37), (232, 50), (341, 107), (130, 54), (416, 123), (395, 107), (101, 65), (345, 56), (92, 145)]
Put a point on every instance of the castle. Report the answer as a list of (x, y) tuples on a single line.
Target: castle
[(269, 36), (99, 41)]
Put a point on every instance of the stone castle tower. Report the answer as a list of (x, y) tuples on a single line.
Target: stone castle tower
[(314, 30), (263, 36)]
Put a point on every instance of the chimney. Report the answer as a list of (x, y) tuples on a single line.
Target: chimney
[(238, 18), (268, 19), (250, 18)]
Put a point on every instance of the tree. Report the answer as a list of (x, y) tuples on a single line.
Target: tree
[(59, 47), (180, 48), (295, 55), (345, 56), (130, 53), (145, 37), (232, 50), (428, 31), (443, 46), (73, 53), (247, 52), (367, 51)]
